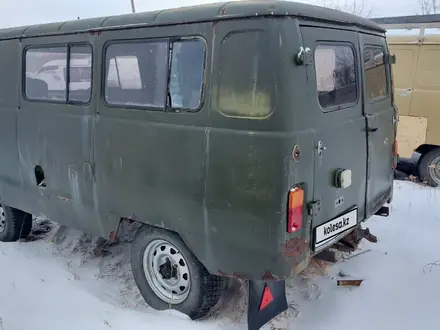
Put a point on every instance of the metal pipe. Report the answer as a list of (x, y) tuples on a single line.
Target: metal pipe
[(420, 22)]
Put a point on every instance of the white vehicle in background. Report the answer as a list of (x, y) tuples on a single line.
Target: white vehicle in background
[(54, 73)]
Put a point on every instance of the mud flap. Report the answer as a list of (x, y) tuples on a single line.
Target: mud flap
[(266, 300)]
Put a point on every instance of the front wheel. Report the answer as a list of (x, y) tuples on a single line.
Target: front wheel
[(429, 167), (168, 275), (14, 224)]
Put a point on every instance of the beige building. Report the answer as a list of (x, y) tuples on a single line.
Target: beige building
[(417, 89)]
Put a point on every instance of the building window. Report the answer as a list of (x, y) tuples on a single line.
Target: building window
[(59, 73), (336, 77), (155, 74), (245, 86), (375, 73)]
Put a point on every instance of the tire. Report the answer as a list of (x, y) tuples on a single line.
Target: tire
[(429, 175), (168, 260), (14, 224)]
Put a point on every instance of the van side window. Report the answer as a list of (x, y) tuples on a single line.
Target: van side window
[(245, 86), (48, 77), (80, 73), (186, 77), (375, 73), (44, 79), (155, 74), (136, 74), (335, 75)]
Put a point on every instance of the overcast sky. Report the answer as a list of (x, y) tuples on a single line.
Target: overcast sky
[(26, 12)]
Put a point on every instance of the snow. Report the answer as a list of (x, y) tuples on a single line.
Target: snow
[(56, 282)]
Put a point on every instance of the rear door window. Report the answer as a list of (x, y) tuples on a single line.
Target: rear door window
[(336, 76), (375, 73)]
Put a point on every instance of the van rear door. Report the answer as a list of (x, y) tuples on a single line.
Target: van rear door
[(380, 116), (335, 101)]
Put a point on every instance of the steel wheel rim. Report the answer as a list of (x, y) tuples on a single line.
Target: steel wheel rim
[(434, 170), (2, 219), (167, 272)]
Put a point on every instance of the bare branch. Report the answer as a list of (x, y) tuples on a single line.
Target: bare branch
[(429, 6), (355, 7)]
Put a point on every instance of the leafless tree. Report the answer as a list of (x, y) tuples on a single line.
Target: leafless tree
[(344, 73), (356, 7), (429, 6)]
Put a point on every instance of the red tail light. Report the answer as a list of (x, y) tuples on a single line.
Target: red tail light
[(295, 209)]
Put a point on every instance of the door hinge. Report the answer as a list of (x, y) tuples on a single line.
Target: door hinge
[(304, 56), (314, 208), (320, 148)]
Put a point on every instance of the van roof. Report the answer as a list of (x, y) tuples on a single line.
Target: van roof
[(208, 12)]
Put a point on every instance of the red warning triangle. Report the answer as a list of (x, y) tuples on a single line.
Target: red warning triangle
[(267, 298)]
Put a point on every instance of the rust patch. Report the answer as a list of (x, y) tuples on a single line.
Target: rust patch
[(349, 282), (95, 32), (269, 276), (297, 252), (294, 247), (113, 237), (369, 236)]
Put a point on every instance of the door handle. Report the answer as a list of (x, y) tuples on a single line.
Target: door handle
[(373, 129)]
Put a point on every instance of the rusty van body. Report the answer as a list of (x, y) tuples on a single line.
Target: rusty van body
[(244, 136)]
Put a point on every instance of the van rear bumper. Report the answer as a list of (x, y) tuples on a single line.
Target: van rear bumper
[(372, 209), (278, 260)]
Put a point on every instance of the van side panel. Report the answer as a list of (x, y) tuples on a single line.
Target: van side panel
[(250, 167), (10, 181), (151, 164), (58, 138), (294, 100)]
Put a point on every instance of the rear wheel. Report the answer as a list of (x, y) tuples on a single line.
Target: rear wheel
[(169, 276), (429, 167), (14, 224)]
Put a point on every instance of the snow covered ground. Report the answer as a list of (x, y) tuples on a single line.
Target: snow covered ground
[(55, 284)]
